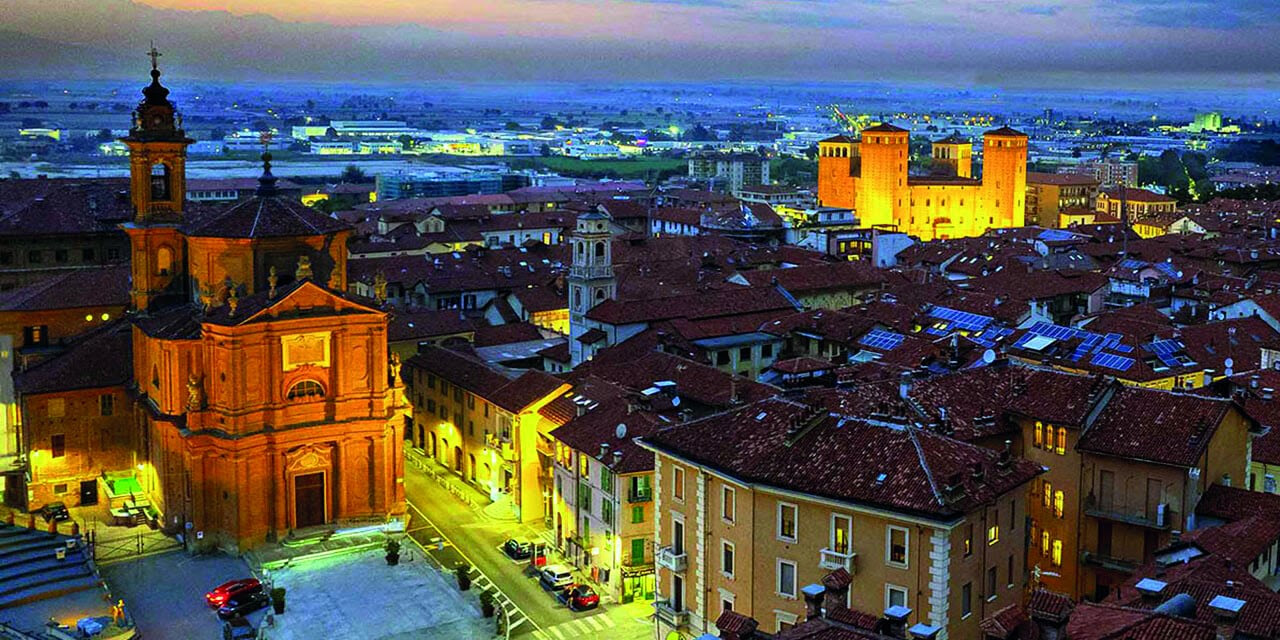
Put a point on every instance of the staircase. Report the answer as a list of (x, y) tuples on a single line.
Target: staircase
[(30, 569)]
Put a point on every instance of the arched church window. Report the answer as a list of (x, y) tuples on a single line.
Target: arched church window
[(160, 181), (599, 249), (305, 390), (599, 295)]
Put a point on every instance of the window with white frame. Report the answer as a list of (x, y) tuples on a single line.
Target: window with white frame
[(841, 533), (894, 596), (727, 599), (786, 522), (786, 578), (896, 543), (726, 558), (677, 483), (728, 503)]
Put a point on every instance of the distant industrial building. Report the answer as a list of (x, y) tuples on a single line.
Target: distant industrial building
[(446, 181)]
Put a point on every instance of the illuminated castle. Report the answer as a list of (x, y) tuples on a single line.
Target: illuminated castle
[(870, 177)]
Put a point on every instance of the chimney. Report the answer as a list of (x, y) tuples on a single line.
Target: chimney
[(922, 631), (604, 450), (904, 385), (976, 471), (836, 590), (1006, 455), (735, 626), (812, 600), (1151, 590), (617, 457), (1267, 393), (1226, 611), (895, 621), (1254, 380)]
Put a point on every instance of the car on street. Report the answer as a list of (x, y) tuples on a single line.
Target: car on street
[(232, 589), (243, 605), (580, 597), (55, 511), (518, 548), (556, 576)]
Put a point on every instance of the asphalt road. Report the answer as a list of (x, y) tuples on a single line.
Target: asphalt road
[(437, 514)]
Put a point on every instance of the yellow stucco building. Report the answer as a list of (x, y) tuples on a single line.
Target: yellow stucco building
[(870, 176)]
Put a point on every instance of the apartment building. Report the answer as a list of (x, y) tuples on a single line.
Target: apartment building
[(1050, 194), (754, 504), (485, 427)]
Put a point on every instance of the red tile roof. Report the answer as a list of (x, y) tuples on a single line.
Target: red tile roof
[(90, 287), (860, 459), (1156, 426)]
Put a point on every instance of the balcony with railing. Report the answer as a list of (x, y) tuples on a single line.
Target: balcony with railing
[(641, 495), (669, 616), (667, 558), (831, 559), (1108, 562), (587, 272), (1162, 517)]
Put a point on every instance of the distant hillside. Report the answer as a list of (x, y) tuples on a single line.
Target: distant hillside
[(27, 57)]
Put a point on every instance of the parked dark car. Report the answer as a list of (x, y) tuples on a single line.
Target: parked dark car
[(518, 548), (580, 597), (243, 605), (232, 589), (55, 511)]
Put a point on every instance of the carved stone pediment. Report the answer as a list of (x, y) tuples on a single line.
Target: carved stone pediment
[(312, 456)]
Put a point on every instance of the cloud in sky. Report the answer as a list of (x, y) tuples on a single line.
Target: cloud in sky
[(801, 40)]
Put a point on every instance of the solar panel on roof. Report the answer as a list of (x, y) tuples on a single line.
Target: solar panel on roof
[(1111, 361), (1165, 347), (1123, 348), (881, 339), (961, 319)]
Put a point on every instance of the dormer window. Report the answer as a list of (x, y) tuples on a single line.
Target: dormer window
[(305, 390)]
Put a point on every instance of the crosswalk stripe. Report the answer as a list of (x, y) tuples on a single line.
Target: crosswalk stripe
[(556, 632), (538, 635), (594, 621)]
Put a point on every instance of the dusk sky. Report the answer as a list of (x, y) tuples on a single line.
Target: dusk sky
[(796, 40)]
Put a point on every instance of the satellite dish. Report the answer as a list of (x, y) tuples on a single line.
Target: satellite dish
[(675, 401), (620, 431), (988, 356)]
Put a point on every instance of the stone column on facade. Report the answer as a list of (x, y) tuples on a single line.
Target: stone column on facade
[(939, 580), (242, 497), (700, 546), (378, 463), (196, 489), (280, 486), (340, 484)]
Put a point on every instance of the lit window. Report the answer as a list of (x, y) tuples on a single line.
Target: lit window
[(787, 521), (1057, 553), (896, 546), (1047, 493), (993, 534), (968, 539), (841, 532), (1044, 542), (305, 390), (1062, 441), (1058, 501), (1037, 436)]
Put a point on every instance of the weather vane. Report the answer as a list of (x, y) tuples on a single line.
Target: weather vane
[(154, 55)]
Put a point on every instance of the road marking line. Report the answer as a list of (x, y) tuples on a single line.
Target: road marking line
[(556, 632), (538, 635), (524, 617), (594, 621)]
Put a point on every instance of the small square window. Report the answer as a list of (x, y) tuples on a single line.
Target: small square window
[(58, 445)]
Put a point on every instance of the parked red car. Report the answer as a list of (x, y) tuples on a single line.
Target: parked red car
[(580, 597), (228, 590)]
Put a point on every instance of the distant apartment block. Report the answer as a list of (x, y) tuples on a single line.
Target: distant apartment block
[(733, 171)]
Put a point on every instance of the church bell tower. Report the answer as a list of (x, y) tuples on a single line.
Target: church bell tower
[(591, 278), (157, 165)]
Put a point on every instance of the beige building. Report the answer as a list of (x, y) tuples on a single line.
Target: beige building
[(755, 504), (485, 427), (1051, 194)]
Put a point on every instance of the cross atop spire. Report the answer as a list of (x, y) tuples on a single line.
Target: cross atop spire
[(155, 56)]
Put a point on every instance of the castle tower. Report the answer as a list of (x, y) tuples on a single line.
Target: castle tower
[(883, 183), (1004, 180), (955, 152), (158, 186), (591, 279), (837, 159)]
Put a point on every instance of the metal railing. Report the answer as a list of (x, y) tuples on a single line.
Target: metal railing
[(829, 559), (667, 558)]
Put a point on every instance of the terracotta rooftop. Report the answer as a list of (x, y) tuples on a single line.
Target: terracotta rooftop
[(101, 358), (75, 288)]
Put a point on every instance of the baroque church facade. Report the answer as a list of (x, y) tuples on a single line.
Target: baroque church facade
[(263, 397)]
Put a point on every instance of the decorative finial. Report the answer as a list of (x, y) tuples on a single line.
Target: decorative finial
[(304, 268), (272, 279), (233, 301), (155, 56), (394, 365), (267, 182)]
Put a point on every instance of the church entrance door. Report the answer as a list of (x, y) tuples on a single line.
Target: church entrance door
[(308, 499)]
